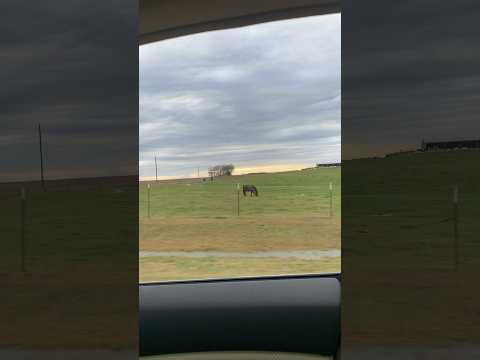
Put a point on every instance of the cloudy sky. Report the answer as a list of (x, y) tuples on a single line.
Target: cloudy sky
[(265, 97), (73, 68), (409, 73)]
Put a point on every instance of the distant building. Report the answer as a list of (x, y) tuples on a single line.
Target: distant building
[(329, 165), (450, 145)]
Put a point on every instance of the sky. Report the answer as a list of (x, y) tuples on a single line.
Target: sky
[(73, 68), (409, 73), (265, 97)]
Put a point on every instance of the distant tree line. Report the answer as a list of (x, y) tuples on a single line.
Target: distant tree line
[(221, 170)]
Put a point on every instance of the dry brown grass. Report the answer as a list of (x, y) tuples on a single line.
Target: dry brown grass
[(402, 307), (69, 310), (183, 268), (249, 233)]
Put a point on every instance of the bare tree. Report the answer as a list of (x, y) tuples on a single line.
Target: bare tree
[(221, 170), (228, 169)]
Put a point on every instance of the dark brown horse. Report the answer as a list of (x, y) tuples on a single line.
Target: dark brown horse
[(251, 189)]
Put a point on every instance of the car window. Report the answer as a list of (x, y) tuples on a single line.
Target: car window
[(239, 152)]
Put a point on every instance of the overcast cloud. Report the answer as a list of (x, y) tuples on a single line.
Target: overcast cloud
[(71, 67), (410, 72), (261, 97)]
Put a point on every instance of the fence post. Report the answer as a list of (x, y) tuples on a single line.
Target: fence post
[(331, 199), (455, 224), (23, 199), (148, 200), (238, 199), (40, 143)]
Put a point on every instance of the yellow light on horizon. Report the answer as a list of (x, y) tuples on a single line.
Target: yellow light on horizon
[(272, 168)]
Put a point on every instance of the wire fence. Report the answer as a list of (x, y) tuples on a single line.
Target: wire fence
[(198, 199), (434, 230), (39, 226), (67, 225)]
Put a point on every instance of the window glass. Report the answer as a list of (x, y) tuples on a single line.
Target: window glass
[(240, 152)]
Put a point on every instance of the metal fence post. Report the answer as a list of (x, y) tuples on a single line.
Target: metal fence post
[(238, 199), (23, 199), (455, 224), (148, 200), (331, 199)]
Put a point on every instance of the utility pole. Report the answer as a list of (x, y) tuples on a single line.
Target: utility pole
[(198, 172), (41, 156), (156, 169)]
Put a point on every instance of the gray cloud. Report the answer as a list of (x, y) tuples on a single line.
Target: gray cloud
[(409, 72), (71, 66), (258, 95)]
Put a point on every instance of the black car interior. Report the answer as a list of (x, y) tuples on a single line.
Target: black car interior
[(298, 314)]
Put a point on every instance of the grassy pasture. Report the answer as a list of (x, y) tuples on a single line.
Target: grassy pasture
[(292, 193), (79, 260), (412, 194), (64, 228), (292, 212), (399, 282), (183, 268)]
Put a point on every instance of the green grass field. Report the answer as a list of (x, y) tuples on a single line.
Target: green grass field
[(292, 212), (397, 243), (64, 228), (412, 194), (400, 284), (79, 258)]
